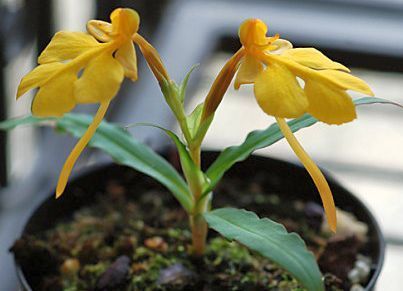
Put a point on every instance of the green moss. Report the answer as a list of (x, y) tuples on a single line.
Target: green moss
[(87, 277), (223, 250), (109, 228), (147, 279)]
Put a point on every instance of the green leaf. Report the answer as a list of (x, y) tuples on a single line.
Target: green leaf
[(26, 120), (193, 120), (193, 174), (184, 84), (269, 239), (202, 130), (123, 148), (263, 138)]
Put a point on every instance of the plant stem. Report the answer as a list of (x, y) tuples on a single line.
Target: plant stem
[(197, 223), (199, 234), (195, 153)]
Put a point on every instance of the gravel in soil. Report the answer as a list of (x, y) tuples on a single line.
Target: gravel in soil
[(134, 237)]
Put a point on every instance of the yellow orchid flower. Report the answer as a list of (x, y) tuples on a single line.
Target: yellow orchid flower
[(274, 67), (104, 55)]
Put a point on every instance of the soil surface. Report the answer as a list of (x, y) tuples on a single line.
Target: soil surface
[(134, 237)]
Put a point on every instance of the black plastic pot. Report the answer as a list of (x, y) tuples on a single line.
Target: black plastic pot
[(283, 177)]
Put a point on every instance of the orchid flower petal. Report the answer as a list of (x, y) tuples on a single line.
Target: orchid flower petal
[(99, 29), (55, 98), (314, 59), (249, 69), (66, 46), (126, 55), (346, 81), (37, 77), (100, 81), (329, 104), (278, 92), (280, 46)]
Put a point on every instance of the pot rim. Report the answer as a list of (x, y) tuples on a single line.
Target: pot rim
[(85, 171)]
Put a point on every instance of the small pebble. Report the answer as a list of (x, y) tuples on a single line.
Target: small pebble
[(156, 243), (139, 267), (115, 275), (363, 268), (314, 214), (357, 287), (116, 190), (354, 276), (274, 199), (313, 210), (70, 266), (365, 259), (176, 274), (347, 225)]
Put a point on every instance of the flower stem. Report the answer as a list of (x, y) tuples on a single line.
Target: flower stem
[(314, 172), (197, 223), (199, 234)]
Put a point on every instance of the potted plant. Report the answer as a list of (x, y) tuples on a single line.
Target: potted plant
[(263, 252)]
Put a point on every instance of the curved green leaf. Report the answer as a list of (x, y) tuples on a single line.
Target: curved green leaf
[(194, 176), (193, 119), (183, 86), (25, 120), (122, 147), (271, 240), (263, 138)]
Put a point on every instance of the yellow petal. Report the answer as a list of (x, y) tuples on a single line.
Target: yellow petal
[(248, 71), (313, 58), (66, 46), (125, 21), (278, 92), (315, 173), (279, 46), (37, 77), (126, 55), (99, 29), (329, 104), (346, 81), (56, 97), (100, 81), (253, 32)]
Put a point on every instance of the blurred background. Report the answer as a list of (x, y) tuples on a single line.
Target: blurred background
[(365, 155)]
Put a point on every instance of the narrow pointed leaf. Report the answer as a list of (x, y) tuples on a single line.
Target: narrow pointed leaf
[(25, 120), (184, 84), (193, 174), (193, 120), (122, 147), (269, 239)]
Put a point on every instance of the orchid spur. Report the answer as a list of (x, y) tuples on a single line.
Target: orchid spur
[(104, 55)]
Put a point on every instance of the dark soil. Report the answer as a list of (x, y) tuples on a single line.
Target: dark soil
[(134, 237)]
